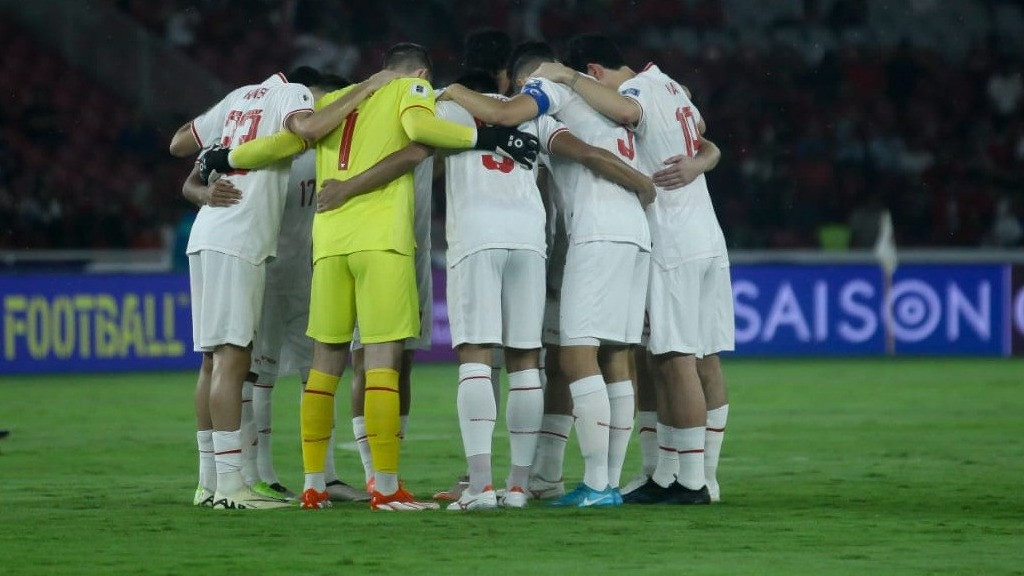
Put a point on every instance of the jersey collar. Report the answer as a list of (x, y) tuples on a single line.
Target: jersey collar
[(275, 79)]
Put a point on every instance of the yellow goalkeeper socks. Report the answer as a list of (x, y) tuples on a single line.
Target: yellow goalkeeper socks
[(317, 419), (382, 419)]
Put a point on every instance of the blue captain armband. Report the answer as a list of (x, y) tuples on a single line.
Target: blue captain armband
[(533, 90)]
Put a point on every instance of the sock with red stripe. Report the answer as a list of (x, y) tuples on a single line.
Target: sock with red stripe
[(250, 473), (648, 422), (383, 424), (363, 444), (261, 392), (523, 413), (316, 420), (713, 439), (620, 427), (554, 434), (668, 457), (477, 413), (227, 454), (689, 442), (207, 467), (592, 412)]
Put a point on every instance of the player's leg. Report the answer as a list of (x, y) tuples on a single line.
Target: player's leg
[(615, 367), (331, 321), (204, 435), (556, 425), (388, 309), (718, 331), (647, 417), (709, 368), (522, 305), (357, 401), (250, 472)]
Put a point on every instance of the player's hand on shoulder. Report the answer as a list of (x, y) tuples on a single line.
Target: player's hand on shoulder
[(449, 92), (222, 194), (554, 71), (517, 145), (380, 79), (333, 194), (678, 172)]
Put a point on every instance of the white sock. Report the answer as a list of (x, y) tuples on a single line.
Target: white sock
[(554, 434), (227, 454), (648, 422), (314, 480), (207, 467), (250, 473), (359, 433), (713, 438), (620, 427), (261, 392), (524, 411), (404, 424), (477, 414), (385, 483), (592, 413), (668, 457), (690, 444)]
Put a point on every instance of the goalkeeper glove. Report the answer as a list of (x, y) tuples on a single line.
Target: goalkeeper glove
[(519, 146), (213, 160)]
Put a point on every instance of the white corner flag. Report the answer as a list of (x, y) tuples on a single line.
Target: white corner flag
[(885, 253)]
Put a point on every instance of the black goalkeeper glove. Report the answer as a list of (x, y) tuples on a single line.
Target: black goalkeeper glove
[(519, 146), (214, 159)]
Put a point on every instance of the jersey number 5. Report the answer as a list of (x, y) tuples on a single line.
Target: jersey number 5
[(499, 163), (690, 134)]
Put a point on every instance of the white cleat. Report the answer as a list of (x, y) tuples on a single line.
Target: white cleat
[(247, 499), (486, 500), (401, 501), (542, 489), (635, 483), (203, 497), (714, 491), (514, 497)]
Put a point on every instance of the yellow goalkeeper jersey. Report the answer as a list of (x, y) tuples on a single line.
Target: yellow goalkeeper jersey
[(381, 219)]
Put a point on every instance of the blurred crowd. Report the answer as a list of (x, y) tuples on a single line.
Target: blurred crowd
[(822, 124)]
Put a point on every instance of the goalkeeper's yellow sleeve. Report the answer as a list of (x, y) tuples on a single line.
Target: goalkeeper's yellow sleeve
[(266, 150), (422, 126)]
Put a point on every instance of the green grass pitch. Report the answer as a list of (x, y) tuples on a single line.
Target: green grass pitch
[(830, 467)]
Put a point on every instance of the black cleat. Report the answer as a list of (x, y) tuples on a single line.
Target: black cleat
[(679, 494), (650, 492)]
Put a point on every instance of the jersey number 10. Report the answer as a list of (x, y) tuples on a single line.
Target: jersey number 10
[(690, 134)]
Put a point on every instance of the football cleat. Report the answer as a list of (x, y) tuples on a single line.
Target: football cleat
[(268, 490), (203, 497), (514, 497), (313, 500), (283, 492), (650, 492), (543, 489), (453, 493), (713, 491), (635, 483), (342, 492), (680, 494), (247, 499), (400, 501), (486, 500), (586, 497)]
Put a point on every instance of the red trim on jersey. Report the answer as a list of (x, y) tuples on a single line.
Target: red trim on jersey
[(282, 77), (284, 123), (648, 66), (195, 134), (418, 106), (320, 392), (553, 134)]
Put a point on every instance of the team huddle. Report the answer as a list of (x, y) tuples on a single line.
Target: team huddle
[(583, 254)]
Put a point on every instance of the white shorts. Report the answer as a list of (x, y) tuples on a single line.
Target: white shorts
[(603, 293), (496, 296), (425, 292), (282, 346), (691, 308), (227, 296)]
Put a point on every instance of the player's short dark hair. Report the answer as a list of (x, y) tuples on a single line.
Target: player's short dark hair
[(486, 49), (526, 56), (305, 75), (479, 81), (593, 49), (406, 56), (332, 82)]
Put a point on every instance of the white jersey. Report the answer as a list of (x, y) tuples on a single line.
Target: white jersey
[(423, 185), (599, 209), (493, 202), (293, 267), (683, 222), (249, 229)]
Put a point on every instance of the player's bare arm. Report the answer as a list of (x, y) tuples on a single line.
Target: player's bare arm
[(605, 100), (511, 112), (604, 163), (682, 169), (220, 194), (334, 193), (183, 143)]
